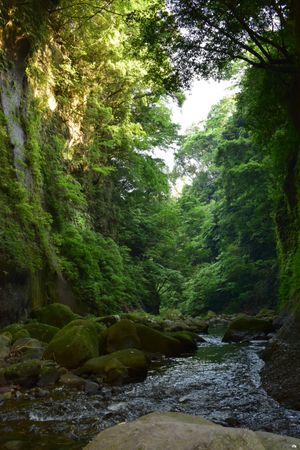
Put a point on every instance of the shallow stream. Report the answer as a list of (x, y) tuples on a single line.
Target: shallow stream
[(220, 382)]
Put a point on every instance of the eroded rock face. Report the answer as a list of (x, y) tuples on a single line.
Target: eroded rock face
[(175, 431)]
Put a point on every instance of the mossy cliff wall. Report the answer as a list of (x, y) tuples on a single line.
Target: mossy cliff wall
[(36, 190)]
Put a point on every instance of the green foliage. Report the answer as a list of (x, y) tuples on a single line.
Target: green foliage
[(226, 234)]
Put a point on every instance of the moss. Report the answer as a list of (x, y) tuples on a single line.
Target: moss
[(122, 335), (21, 334), (247, 327), (24, 373), (56, 314), (188, 340), (41, 331), (156, 342), (130, 364), (73, 345)]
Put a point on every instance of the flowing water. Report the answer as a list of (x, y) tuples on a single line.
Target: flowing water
[(220, 382)]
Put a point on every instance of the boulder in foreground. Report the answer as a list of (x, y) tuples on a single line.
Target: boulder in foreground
[(175, 431)]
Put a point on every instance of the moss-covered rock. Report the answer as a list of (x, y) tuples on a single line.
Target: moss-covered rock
[(122, 335), (245, 328), (56, 314), (41, 331), (28, 348), (118, 367), (21, 334), (74, 344), (12, 328), (188, 340), (4, 346), (154, 341), (24, 373), (16, 330)]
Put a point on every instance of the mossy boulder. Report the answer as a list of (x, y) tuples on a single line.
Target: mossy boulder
[(16, 330), (99, 328), (74, 344), (41, 331), (21, 334), (56, 314), (154, 341), (118, 367), (188, 340), (24, 373), (122, 335), (28, 348), (245, 328)]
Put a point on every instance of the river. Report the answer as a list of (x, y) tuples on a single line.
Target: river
[(219, 382)]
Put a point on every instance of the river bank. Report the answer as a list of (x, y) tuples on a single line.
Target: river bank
[(220, 382)]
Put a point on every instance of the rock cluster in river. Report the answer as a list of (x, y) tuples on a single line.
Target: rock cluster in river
[(57, 345)]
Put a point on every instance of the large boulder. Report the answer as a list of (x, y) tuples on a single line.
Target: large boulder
[(154, 341), (175, 431), (74, 344), (122, 335), (56, 314), (245, 328), (188, 340), (118, 367), (28, 348), (41, 331)]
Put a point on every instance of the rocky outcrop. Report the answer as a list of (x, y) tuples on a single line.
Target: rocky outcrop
[(174, 431), (281, 374)]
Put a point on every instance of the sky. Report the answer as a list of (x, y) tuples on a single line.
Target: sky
[(199, 100), (203, 95)]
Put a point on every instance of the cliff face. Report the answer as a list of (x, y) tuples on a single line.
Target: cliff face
[(30, 122)]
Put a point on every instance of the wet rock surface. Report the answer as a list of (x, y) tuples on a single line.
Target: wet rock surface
[(175, 431)]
